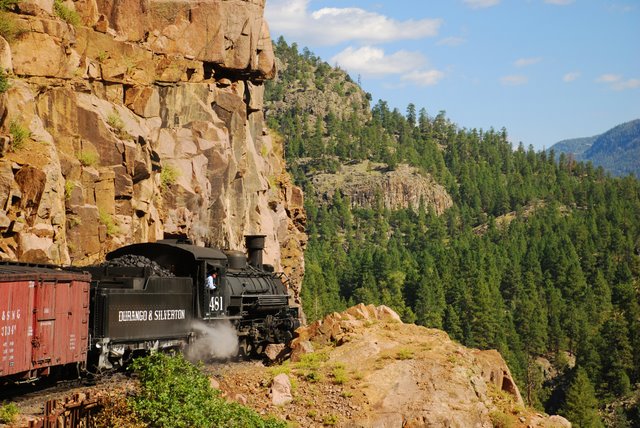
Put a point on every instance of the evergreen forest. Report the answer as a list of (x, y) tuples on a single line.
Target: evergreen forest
[(539, 256)]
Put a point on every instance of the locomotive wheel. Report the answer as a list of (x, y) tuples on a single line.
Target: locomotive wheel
[(245, 348)]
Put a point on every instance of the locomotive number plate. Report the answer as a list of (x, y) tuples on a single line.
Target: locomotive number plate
[(215, 305)]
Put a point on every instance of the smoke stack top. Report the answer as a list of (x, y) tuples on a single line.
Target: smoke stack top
[(255, 245)]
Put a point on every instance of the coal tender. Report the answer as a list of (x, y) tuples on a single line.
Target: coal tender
[(147, 296)]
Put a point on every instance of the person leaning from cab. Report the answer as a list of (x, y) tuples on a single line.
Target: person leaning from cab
[(211, 280)]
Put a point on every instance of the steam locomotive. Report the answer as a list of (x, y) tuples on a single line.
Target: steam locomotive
[(150, 301)]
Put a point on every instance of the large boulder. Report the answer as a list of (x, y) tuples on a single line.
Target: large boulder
[(281, 390)]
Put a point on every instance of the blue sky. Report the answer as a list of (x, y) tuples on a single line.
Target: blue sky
[(546, 70)]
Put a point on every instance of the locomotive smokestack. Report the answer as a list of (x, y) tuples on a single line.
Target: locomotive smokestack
[(255, 245)]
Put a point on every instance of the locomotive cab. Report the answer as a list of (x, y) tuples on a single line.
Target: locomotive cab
[(213, 301)]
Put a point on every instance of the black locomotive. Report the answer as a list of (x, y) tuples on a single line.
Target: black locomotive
[(150, 296), (143, 308)]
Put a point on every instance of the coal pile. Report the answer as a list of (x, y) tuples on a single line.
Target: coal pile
[(131, 260)]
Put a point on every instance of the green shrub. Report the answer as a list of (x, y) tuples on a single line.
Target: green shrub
[(10, 28), (168, 176), (7, 26), (102, 56), (19, 133), (282, 368), (312, 360), (117, 124), (68, 188), (314, 376), (114, 121), (339, 375), (87, 158), (404, 354), (8, 4), (63, 12), (107, 220), (175, 393), (502, 420), (8, 413), (4, 79), (330, 419)]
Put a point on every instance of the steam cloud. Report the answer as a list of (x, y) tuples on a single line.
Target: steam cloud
[(213, 341)]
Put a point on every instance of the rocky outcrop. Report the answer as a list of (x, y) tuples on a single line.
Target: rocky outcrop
[(367, 182), (142, 122), (316, 91), (365, 368), (415, 376)]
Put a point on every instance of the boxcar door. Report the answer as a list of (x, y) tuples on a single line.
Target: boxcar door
[(16, 306), (43, 338)]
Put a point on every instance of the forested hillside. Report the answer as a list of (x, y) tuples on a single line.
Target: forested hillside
[(539, 256)]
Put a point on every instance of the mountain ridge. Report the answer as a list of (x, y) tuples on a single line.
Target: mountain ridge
[(617, 150)]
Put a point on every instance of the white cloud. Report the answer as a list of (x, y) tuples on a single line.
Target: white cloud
[(424, 78), (374, 62), (524, 62), (480, 4), (330, 26), (559, 2), (514, 80), (570, 77), (609, 78), (618, 83), (451, 41), (369, 60)]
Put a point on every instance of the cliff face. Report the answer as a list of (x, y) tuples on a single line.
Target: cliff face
[(142, 121), (364, 183)]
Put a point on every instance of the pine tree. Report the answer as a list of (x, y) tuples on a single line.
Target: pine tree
[(616, 356), (581, 406), (430, 303)]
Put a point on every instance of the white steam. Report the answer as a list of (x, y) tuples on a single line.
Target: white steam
[(213, 341)]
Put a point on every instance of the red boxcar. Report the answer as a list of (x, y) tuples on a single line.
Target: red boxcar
[(44, 316)]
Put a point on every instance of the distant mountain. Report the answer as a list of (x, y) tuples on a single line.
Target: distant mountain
[(617, 150), (575, 146)]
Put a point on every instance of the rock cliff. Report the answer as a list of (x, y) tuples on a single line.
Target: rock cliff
[(365, 182), (134, 120)]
